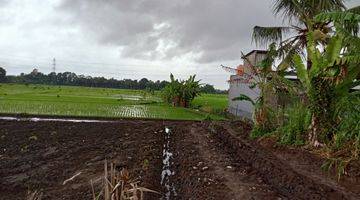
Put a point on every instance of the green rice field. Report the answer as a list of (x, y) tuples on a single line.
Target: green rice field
[(101, 102)]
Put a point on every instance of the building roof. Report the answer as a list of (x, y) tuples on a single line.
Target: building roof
[(255, 51)]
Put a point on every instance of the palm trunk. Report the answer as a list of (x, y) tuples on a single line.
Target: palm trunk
[(315, 126), (314, 131), (321, 127)]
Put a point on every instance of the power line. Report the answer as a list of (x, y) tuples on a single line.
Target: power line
[(42, 60)]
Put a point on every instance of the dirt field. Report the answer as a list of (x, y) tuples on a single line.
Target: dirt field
[(205, 162)]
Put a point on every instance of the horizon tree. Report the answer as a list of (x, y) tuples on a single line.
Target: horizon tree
[(2, 75)]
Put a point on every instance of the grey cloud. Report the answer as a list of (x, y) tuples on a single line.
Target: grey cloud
[(162, 29), (3, 2)]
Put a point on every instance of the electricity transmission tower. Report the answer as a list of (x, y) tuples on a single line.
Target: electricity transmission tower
[(54, 65)]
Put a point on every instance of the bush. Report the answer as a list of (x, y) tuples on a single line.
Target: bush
[(258, 132), (207, 118), (297, 119), (266, 121), (349, 129)]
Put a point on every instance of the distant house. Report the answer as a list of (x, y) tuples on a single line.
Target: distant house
[(239, 84)]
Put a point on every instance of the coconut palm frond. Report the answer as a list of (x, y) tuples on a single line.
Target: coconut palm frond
[(266, 35), (347, 59), (319, 6), (300, 10), (289, 9), (338, 16), (348, 19), (288, 53), (355, 10)]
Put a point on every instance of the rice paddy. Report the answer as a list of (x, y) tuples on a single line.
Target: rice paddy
[(99, 102)]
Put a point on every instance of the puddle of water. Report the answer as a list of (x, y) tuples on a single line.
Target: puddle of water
[(166, 170), (9, 118), (35, 119), (129, 97)]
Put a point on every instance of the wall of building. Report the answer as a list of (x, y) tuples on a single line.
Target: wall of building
[(239, 85), (241, 108)]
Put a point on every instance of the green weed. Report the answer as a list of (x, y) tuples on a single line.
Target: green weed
[(296, 122)]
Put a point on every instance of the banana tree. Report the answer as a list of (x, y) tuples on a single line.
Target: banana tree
[(172, 91), (333, 73), (190, 89), (180, 92)]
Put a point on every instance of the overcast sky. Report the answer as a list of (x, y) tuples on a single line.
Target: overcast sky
[(131, 38)]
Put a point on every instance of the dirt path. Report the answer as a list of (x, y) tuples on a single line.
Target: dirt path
[(285, 175), (242, 181), (204, 170), (309, 164)]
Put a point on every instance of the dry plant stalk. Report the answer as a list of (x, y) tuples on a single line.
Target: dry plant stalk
[(120, 186), (36, 195)]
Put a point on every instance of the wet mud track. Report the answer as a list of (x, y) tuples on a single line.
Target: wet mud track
[(206, 171), (286, 173), (40, 156), (182, 160)]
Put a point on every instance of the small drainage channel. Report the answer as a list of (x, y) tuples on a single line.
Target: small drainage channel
[(166, 170), (35, 119)]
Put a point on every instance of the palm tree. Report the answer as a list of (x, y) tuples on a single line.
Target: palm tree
[(313, 23), (300, 14), (334, 71)]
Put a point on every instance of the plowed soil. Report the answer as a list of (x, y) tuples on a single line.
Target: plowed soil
[(208, 162)]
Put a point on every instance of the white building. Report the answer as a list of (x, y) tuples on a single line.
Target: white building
[(240, 84)]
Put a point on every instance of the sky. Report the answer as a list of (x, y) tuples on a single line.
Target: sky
[(131, 38)]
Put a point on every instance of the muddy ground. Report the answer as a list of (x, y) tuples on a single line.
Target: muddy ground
[(208, 161)]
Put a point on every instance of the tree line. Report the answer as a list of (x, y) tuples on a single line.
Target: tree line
[(72, 79)]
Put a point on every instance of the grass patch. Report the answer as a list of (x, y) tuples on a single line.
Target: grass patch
[(211, 103)]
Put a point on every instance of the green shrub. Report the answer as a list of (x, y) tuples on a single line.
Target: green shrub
[(348, 113), (257, 132), (207, 117), (296, 122)]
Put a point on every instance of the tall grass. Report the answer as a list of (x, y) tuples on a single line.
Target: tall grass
[(345, 145), (297, 119), (348, 112)]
